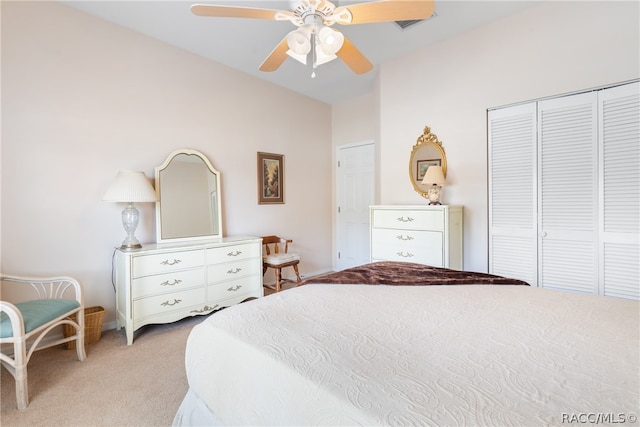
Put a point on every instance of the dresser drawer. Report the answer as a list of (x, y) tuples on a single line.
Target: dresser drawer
[(233, 253), (408, 219), (161, 263), (168, 282), (233, 270), (160, 304), (423, 247), (232, 288)]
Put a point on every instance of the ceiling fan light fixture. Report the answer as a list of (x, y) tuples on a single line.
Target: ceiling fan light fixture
[(330, 40), (322, 57), (297, 56), (299, 41), (313, 17)]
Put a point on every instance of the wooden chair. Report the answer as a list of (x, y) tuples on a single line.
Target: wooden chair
[(277, 256), (24, 324)]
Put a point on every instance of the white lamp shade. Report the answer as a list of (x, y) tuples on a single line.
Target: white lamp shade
[(299, 41), (434, 176), (330, 40), (130, 186), (322, 57), (298, 57)]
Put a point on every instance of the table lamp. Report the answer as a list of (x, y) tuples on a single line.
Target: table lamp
[(130, 187), (434, 178)]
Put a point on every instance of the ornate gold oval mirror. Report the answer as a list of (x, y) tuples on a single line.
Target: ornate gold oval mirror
[(427, 152), (189, 199)]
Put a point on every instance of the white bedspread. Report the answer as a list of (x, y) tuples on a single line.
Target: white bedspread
[(420, 355)]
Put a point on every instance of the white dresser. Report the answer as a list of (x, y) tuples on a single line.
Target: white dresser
[(430, 234), (163, 283)]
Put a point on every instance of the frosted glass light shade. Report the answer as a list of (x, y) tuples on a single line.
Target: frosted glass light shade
[(299, 41), (298, 57), (326, 42), (322, 57), (330, 40)]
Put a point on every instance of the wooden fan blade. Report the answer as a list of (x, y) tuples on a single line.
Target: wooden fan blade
[(351, 56), (276, 57), (388, 10), (233, 12)]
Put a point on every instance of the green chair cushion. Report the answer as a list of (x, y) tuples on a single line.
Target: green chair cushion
[(36, 313)]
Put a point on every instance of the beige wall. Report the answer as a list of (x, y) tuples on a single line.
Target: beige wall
[(550, 49), (83, 98), (353, 121)]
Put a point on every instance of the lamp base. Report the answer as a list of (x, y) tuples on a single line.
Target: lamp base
[(130, 217), (130, 247), (434, 195), (130, 244)]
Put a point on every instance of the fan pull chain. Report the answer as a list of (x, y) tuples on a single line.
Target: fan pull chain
[(314, 41)]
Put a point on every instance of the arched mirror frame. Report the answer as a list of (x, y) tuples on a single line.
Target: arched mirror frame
[(215, 201), (426, 142)]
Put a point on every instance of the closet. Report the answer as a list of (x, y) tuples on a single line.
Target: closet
[(564, 192)]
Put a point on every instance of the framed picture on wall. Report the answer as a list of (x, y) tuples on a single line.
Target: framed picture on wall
[(270, 178), (423, 165)]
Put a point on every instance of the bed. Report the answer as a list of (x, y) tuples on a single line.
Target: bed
[(468, 354), (409, 274)]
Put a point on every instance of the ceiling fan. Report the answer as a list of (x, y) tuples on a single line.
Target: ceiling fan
[(314, 34)]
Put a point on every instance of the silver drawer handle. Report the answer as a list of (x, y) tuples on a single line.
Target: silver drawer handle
[(407, 237), (235, 253), (405, 254), (234, 271), (205, 308), (175, 282), (174, 262), (234, 288), (405, 219), (175, 301)]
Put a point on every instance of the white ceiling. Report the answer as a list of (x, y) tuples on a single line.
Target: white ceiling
[(243, 44)]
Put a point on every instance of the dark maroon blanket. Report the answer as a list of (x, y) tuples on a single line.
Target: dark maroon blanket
[(407, 273)]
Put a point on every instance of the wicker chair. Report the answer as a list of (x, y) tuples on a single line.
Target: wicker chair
[(277, 256), (24, 324)]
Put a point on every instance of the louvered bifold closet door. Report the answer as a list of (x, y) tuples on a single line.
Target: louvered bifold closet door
[(568, 198), (512, 192), (620, 191)]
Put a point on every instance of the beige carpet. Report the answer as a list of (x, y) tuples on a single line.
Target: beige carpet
[(117, 385)]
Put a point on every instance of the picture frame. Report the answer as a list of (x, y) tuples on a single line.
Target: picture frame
[(423, 165), (270, 178)]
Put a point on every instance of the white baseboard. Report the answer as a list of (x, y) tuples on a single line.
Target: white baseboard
[(316, 273), (109, 326), (292, 278)]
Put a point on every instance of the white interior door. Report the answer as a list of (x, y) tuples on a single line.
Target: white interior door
[(355, 193), (512, 193), (619, 117), (568, 196)]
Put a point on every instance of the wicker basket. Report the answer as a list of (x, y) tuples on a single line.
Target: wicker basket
[(93, 318)]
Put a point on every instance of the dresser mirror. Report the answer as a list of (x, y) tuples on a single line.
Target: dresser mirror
[(426, 152), (189, 198)]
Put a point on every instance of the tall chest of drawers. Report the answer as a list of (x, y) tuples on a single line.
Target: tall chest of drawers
[(165, 283), (430, 234)]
